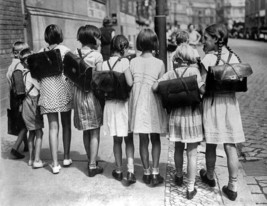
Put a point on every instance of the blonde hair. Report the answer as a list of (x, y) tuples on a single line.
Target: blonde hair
[(186, 53)]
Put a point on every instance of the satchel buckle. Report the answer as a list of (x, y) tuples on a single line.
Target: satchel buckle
[(233, 77)]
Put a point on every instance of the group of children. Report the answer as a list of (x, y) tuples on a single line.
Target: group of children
[(143, 113)]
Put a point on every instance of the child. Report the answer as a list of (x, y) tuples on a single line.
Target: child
[(221, 120), (31, 113), (87, 109), (185, 123), (56, 97), (14, 102), (116, 112), (146, 114)]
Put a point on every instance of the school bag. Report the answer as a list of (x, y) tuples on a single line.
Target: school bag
[(110, 85), (45, 64), (77, 70), (227, 77), (179, 92), (17, 83)]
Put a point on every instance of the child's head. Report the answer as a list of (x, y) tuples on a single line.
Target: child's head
[(53, 34), (17, 47), (184, 54), (147, 40), (190, 27), (119, 43), (215, 36), (182, 37), (23, 56), (107, 21), (89, 35)]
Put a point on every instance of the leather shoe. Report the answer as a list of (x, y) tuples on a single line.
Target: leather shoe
[(117, 175), (16, 154), (204, 178), (190, 195), (229, 193), (178, 180), (95, 171), (131, 178), (147, 179), (156, 179)]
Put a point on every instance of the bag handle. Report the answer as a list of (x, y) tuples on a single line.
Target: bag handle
[(111, 68)]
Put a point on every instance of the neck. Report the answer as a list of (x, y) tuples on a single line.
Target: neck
[(51, 46), (146, 54), (116, 54)]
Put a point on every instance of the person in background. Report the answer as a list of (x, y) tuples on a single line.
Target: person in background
[(194, 36), (14, 104), (107, 33)]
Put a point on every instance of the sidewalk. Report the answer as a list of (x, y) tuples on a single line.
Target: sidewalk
[(22, 185)]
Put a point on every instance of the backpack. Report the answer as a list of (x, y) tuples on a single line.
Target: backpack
[(77, 70), (17, 83)]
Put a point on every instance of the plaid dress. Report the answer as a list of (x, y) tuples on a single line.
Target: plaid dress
[(185, 123)]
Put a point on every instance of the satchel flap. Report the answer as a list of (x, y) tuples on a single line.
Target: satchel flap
[(231, 71)]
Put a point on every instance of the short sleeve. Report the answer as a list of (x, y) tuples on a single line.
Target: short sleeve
[(98, 58), (166, 76), (125, 64)]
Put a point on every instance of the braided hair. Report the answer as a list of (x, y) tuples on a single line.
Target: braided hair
[(230, 50), (118, 44)]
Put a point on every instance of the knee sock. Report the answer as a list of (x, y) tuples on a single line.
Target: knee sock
[(147, 171), (232, 184), (191, 185), (155, 171)]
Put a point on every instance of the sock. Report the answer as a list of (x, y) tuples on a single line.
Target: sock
[(179, 172), (232, 184), (155, 171), (190, 185), (210, 171), (119, 169), (147, 171), (92, 165), (130, 168)]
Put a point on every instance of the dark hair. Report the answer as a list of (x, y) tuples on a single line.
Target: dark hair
[(107, 21), (147, 40), (87, 34), (23, 52), (219, 32), (189, 25), (118, 44), (53, 34), (17, 47), (182, 37)]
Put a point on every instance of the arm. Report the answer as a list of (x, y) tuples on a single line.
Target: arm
[(112, 34), (162, 76), (99, 66), (129, 77)]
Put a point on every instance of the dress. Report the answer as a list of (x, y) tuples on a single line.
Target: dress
[(222, 120), (146, 114), (185, 123), (30, 111), (87, 109), (115, 111), (56, 91)]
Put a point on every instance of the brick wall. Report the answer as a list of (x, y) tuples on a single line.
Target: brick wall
[(11, 30)]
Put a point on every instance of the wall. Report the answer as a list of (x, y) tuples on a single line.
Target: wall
[(11, 30)]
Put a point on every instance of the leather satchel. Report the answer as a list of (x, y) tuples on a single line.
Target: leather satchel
[(77, 70), (45, 64), (110, 85), (228, 77), (179, 92)]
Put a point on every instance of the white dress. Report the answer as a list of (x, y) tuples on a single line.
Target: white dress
[(115, 111), (221, 120)]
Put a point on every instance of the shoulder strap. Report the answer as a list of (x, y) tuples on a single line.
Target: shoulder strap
[(184, 71), (229, 57), (24, 75), (111, 68), (16, 66)]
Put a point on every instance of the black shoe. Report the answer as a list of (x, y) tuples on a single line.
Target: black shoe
[(178, 180), (156, 179), (229, 193), (204, 178), (95, 171), (17, 154), (131, 178), (190, 195), (117, 176), (147, 179)]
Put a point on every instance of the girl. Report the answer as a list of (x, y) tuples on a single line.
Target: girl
[(116, 112), (146, 114), (14, 102), (31, 113), (87, 109), (221, 120), (185, 123), (194, 36), (56, 97)]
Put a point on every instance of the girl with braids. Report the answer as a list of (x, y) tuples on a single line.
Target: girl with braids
[(221, 120), (116, 112)]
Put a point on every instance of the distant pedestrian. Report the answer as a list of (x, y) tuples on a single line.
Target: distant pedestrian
[(87, 109), (221, 114), (194, 36), (116, 111), (15, 102), (107, 33), (146, 114), (31, 113), (56, 97), (185, 123)]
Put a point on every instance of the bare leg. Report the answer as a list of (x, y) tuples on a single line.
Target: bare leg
[(191, 165), (94, 145), (38, 144), (53, 136), (129, 152), (86, 143), (21, 135), (31, 146), (66, 130)]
